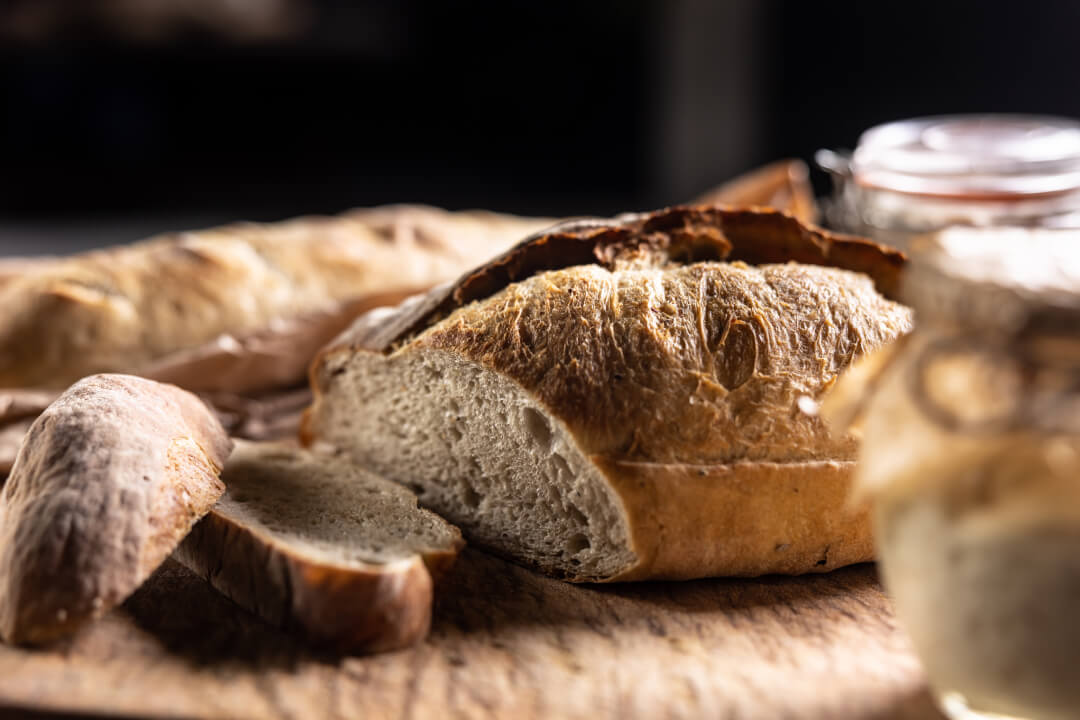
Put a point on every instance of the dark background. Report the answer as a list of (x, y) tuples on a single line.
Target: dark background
[(116, 125)]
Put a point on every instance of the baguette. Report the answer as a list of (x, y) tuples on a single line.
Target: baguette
[(107, 482), (317, 544), (629, 399), (240, 308)]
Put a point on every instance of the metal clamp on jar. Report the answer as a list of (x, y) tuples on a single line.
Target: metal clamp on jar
[(971, 457), (915, 176)]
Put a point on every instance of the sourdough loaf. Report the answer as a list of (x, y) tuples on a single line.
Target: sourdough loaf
[(238, 308), (107, 482), (317, 544), (628, 399)]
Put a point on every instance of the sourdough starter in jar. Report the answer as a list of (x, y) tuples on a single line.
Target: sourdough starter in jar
[(971, 455), (915, 176)]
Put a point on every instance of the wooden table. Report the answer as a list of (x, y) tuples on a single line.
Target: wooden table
[(506, 643)]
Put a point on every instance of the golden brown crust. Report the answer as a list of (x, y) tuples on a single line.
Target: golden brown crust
[(743, 519), (129, 308), (681, 234), (108, 480), (702, 363)]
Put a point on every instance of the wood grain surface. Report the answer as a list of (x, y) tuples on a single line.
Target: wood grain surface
[(506, 643)]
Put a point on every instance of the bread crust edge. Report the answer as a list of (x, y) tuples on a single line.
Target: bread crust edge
[(348, 610), (745, 519)]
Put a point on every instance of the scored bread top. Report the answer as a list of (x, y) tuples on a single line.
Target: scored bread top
[(675, 235), (650, 350), (704, 362)]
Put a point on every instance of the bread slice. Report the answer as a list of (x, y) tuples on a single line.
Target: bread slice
[(107, 482), (627, 400), (318, 544), (239, 308)]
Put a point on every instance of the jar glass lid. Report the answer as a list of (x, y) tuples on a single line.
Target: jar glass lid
[(989, 157)]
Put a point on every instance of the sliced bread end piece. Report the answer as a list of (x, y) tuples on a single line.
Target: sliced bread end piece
[(108, 480), (314, 543)]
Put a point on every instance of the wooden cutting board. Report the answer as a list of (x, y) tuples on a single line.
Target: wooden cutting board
[(506, 643)]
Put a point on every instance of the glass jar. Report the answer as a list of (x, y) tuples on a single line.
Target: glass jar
[(915, 176), (971, 456)]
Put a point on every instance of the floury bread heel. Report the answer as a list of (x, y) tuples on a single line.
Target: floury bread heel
[(318, 545)]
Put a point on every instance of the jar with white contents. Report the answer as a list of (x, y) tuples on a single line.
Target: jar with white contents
[(971, 458), (915, 176)]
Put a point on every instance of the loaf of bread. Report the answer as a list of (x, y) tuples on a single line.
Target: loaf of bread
[(238, 308), (317, 544), (107, 482), (627, 399)]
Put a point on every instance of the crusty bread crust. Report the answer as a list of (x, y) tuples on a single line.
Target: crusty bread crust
[(703, 363), (742, 519), (107, 482), (384, 607), (348, 606), (679, 234), (683, 379), (133, 308)]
